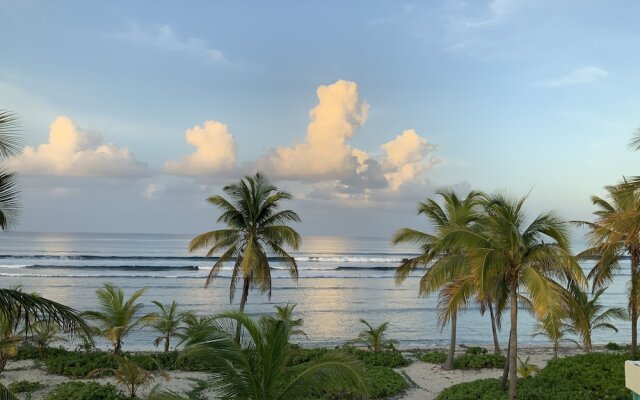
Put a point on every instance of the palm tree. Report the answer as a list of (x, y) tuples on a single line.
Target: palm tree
[(504, 249), (442, 262), (375, 338), (18, 308), (256, 368), (44, 334), (594, 314), (556, 331), (130, 375), (255, 226), (285, 314), (117, 317), (614, 234), (168, 324)]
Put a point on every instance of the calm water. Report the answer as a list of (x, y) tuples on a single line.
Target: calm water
[(341, 280)]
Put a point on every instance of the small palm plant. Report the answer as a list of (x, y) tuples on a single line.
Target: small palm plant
[(526, 369), (593, 315), (168, 324), (10, 340), (285, 314), (117, 317), (129, 374), (557, 331), (43, 334), (375, 338), (256, 368)]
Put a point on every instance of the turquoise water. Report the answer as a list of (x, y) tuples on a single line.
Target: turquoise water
[(342, 279)]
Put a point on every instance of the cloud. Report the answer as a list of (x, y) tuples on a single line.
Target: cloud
[(325, 154), (578, 76), (405, 158), (74, 152), (165, 38), (215, 151)]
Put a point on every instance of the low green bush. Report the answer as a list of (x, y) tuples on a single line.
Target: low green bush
[(433, 357), (385, 382), (591, 376), (25, 386), (477, 357), (475, 350), (30, 352), (79, 365), (85, 391), (302, 355), (387, 358)]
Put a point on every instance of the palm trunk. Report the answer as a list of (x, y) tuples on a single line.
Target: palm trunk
[(118, 347), (634, 303), (556, 345), (505, 372), (513, 343), (166, 344), (452, 346), (243, 300), (494, 330)]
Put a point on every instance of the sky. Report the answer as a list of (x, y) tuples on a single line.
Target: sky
[(133, 113)]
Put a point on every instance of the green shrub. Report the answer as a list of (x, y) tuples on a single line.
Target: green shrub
[(385, 382), (591, 376), (30, 352), (475, 350), (25, 386), (389, 358), (302, 355), (85, 391), (616, 347), (475, 360), (433, 357), (79, 365)]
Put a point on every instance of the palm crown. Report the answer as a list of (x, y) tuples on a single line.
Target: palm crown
[(255, 227)]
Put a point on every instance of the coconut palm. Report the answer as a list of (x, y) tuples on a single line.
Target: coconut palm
[(442, 263), (613, 234), (117, 317), (18, 308), (256, 368), (375, 338), (43, 335), (168, 323), (255, 226), (595, 315), (503, 248)]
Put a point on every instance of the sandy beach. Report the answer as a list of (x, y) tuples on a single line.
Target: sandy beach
[(427, 380)]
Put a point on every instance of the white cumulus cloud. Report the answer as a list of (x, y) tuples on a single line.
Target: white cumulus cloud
[(72, 151), (405, 158), (215, 151), (325, 153)]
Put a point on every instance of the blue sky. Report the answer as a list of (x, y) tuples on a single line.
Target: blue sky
[(509, 95)]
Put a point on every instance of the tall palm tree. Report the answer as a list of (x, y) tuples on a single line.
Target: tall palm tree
[(18, 308), (256, 368), (613, 234), (255, 227), (442, 263), (503, 247), (117, 317), (168, 323)]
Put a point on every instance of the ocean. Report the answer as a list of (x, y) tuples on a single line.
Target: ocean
[(342, 279)]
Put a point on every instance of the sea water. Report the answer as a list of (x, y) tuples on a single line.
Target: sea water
[(341, 280)]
